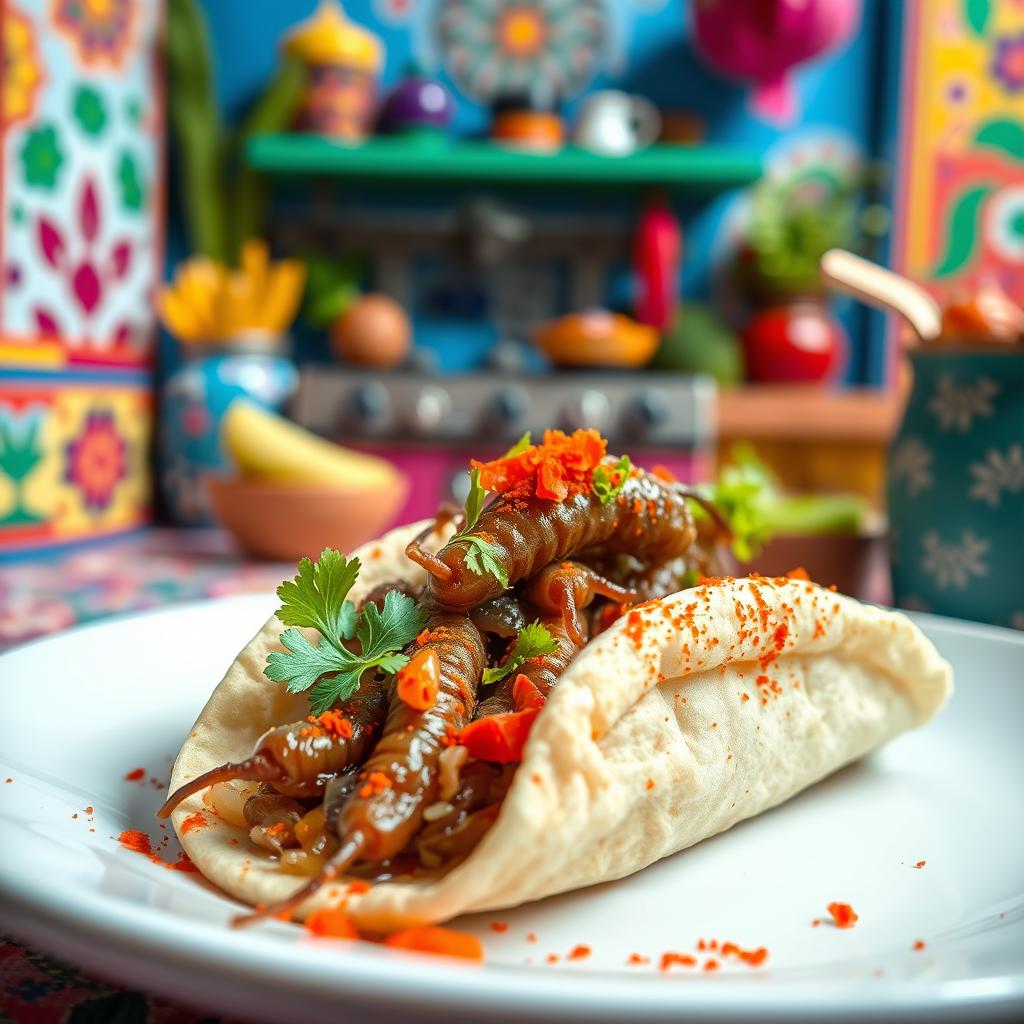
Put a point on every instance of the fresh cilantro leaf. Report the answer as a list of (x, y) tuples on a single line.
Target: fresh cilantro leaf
[(533, 640), (382, 634), (482, 558), (303, 662), (608, 482), (519, 447), (316, 597), (383, 631), (474, 501)]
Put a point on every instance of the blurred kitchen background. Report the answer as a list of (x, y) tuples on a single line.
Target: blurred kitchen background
[(418, 228)]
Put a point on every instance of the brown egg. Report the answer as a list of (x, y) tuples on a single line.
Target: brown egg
[(373, 331)]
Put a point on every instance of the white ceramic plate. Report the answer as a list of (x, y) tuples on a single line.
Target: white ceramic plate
[(80, 711)]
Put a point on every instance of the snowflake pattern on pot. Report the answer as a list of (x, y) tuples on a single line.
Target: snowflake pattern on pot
[(21, 73), (1008, 62), (96, 459), (956, 407), (100, 31), (998, 473), (953, 565), (41, 157), (89, 110), (911, 462)]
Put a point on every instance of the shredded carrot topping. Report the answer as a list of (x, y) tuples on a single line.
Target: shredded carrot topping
[(440, 941), (334, 723), (843, 915), (418, 682), (562, 465)]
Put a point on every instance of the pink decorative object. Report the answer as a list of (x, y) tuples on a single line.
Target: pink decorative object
[(761, 41)]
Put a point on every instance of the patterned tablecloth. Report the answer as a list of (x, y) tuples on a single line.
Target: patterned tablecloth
[(154, 568)]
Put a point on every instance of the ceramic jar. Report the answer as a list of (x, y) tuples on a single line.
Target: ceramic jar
[(194, 400), (956, 488)]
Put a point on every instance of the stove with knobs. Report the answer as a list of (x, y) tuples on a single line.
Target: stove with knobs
[(429, 425)]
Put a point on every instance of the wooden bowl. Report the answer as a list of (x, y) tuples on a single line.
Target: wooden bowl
[(597, 338), (284, 521)]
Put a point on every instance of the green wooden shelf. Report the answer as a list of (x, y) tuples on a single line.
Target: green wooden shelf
[(697, 167)]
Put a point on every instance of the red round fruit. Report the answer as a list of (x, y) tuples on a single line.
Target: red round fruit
[(798, 341)]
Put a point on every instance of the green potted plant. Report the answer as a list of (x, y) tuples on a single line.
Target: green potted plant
[(792, 334)]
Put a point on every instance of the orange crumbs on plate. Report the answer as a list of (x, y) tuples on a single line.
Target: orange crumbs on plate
[(919, 864), (499, 927), (919, 944), (676, 959), (135, 775), (843, 915), (579, 952)]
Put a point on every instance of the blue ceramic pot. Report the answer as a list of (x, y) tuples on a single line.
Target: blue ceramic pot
[(194, 401), (956, 488)]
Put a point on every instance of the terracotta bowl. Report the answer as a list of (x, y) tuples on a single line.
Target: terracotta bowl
[(284, 521)]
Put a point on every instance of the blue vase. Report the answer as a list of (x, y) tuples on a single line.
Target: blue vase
[(956, 488), (194, 400)]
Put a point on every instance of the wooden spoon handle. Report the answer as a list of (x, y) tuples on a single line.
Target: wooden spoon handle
[(884, 289)]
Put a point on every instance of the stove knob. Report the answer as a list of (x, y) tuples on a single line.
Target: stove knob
[(505, 410), (429, 410), (588, 409), (645, 414), (366, 408)]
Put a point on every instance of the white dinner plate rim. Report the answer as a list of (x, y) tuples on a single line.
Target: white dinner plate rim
[(41, 917)]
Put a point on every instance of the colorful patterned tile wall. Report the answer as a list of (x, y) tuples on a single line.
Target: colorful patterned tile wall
[(81, 239)]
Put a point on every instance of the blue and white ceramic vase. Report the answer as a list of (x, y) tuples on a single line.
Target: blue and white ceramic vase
[(194, 400), (956, 488)]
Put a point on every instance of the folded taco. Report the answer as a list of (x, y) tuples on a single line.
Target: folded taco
[(450, 722)]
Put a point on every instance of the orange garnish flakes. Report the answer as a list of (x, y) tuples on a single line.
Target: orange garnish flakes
[(919, 944), (843, 915), (799, 573), (334, 723), (375, 784), (525, 695), (135, 775), (136, 841), (676, 959), (418, 682), (331, 923), (499, 927), (193, 821), (637, 958), (562, 465), (580, 952), (920, 864), (439, 941)]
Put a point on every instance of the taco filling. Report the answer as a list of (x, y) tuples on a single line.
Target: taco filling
[(419, 692)]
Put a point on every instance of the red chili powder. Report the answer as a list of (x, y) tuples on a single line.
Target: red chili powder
[(193, 821)]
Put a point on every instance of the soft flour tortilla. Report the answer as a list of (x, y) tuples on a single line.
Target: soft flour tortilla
[(676, 723)]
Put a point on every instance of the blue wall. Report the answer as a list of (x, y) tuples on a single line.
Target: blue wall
[(844, 94)]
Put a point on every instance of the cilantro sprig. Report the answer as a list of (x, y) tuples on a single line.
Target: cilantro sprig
[(533, 640), (318, 599), (481, 555), (608, 481)]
